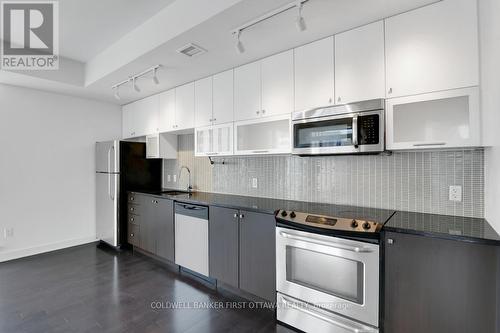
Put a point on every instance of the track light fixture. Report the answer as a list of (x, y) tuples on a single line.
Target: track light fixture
[(133, 79), (134, 84), (300, 22), (155, 76), (239, 45), (117, 92)]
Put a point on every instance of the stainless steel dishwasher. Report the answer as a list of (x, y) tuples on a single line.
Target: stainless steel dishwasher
[(191, 237)]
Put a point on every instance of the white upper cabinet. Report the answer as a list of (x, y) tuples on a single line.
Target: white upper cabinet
[(203, 102), (184, 106), (359, 64), (223, 97), (141, 118), (214, 140), (247, 91), (277, 84), (314, 74), (167, 111), (445, 119), (432, 48)]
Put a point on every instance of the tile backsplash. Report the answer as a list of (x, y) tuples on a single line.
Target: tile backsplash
[(410, 181)]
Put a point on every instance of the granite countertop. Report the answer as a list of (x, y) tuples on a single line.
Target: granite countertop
[(445, 226), (451, 227), (271, 206)]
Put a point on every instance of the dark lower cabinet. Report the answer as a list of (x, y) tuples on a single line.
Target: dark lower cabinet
[(164, 229), (153, 227), (258, 254), (434, 285), (223, 232)]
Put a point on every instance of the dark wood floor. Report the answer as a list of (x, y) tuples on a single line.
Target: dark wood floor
[(89, 289)]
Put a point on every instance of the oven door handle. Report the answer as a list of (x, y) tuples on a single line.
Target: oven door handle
[(355, 140), (289, 303), (356, 249)]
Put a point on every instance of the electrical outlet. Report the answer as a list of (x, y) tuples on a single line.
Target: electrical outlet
[(168, 178), (8, 232), (255, 183), (455, 193), (175, 178)]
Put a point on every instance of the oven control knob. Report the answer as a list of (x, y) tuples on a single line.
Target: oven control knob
[(292, 215), (284, 213), (354, 224), (366, 226)]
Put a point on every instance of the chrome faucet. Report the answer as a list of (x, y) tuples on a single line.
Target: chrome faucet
[(189, 187)]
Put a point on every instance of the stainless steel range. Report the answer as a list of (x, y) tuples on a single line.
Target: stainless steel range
[(327, 283)]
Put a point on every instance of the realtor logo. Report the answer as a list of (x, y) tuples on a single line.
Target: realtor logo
[(30, 35)]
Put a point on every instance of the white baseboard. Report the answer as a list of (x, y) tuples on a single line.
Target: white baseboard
[(26, 252)]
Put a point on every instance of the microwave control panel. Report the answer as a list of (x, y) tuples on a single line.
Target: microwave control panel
[(369, 129)]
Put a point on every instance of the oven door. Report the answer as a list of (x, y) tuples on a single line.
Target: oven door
[(339, 134), (338, 275)]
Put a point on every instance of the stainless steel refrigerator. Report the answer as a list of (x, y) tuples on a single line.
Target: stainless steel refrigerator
[(120, 167)]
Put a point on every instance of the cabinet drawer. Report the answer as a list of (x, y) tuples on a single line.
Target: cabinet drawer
[(133, 234), (134, 219), (133, 209), (133, 198)]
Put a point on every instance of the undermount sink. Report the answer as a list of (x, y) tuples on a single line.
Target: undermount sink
[(175, 192)]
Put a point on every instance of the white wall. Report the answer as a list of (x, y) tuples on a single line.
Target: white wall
[(489, 20), (47, 172)]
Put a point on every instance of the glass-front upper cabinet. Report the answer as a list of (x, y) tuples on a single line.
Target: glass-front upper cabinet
[(269, 135), (447, 119), (214, 140)]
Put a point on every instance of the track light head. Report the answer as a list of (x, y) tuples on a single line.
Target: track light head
[(117, 92), (136, 87), (240, 48), (300, 22), (155, 76)]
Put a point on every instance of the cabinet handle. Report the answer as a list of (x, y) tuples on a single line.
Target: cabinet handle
[(390, 91), (131, 219), (131, 209), (260, 151), (132, 235), (429, 144), (390, 241), (214, 119), (339, 99), (263, 111), (235, 215), (258, 112), (131, 198), (242, 216), (330, 100)]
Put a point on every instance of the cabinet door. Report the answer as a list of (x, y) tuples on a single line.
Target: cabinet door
[(258, 254), (167, 111), (203, 102), (434, 285), (359, 64), (222, 142), (184, 106), (128, 121), (277, 84), (203, 141), (314, 74), (432, 48), (148, 228), (263, 136), (164, 229), (446, 119), (247, 92), (223, 101), (223, 245)]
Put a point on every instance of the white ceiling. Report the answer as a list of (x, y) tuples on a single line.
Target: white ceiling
[(130, 48), (87, 27)]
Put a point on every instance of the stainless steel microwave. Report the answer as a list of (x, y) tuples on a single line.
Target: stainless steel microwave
[(341, 129)]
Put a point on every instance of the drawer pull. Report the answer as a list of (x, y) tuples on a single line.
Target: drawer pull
[(132, 235)]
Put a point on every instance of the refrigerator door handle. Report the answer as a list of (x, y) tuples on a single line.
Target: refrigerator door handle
[(110, 191), (109, 159)]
